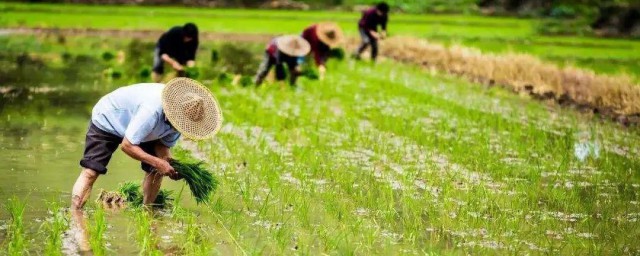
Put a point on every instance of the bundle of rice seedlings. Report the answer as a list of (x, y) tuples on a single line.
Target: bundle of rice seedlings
[(201, 182), (164, 198), (132, 193)]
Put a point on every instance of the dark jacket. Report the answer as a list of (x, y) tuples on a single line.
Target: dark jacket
[(370, 20), (172, 43)]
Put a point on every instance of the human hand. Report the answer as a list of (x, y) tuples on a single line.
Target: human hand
[(383, 34), (322, 70), (374, 34), (177, 66), (191, 63), (165, 168)]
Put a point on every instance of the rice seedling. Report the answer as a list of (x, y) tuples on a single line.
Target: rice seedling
[(132, 193), (97, 229), (201, 182), (146, 232), (55, 227), (195, 240), (16, 230)]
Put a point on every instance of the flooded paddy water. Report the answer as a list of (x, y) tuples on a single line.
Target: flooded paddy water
[(376, 159)]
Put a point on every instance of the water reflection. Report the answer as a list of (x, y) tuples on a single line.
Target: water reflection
[(79, 235), (584, 149)]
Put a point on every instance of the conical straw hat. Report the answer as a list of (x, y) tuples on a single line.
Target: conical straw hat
[(191, 108), (329, 33), (293, 45)]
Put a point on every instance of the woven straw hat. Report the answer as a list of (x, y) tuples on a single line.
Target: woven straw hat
[(329, 33), (293, 45), (191, 108)]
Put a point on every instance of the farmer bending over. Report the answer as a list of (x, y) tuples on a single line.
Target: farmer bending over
[(145, 120), (177, 47), (368, 27), (322, 37), (283, 50)]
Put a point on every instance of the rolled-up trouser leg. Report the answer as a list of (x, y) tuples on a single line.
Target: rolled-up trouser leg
[(158, 64), (364, 36)]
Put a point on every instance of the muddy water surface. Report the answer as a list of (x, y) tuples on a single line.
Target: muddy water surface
[(42, 132)]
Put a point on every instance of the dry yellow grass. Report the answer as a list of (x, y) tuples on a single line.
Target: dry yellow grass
[(617, 95)]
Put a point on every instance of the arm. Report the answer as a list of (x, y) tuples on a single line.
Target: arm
[(140, 126), (321, 59), (322, 70), (163, 152), (135, 152), (374, 34), (166, 58)]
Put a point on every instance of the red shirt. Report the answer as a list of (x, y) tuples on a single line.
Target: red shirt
[(272, 48), (319, 49), (370, 20)]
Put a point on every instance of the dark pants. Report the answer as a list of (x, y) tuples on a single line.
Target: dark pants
[(270, 61), (100, 145), (367, 40), (158, 64)]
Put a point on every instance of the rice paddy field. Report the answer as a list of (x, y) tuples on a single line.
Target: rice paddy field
[(491, 34), (376, 159)]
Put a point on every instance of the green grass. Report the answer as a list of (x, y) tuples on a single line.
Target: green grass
[(493, 34)]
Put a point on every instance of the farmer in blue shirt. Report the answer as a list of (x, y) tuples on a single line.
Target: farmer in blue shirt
[(145, 120)]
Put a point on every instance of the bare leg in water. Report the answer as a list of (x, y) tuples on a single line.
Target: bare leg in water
[(151, 187), (82, 188)]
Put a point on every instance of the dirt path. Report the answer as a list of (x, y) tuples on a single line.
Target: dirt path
[(138, 34)]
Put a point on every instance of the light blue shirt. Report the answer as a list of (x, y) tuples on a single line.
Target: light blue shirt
[(135, 112)]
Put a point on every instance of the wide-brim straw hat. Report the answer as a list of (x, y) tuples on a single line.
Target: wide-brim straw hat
[(293, 45), (191, 108), (330, 34)]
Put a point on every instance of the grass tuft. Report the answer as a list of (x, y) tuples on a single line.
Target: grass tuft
[(96, 231), (55, 228), (15, 232)]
